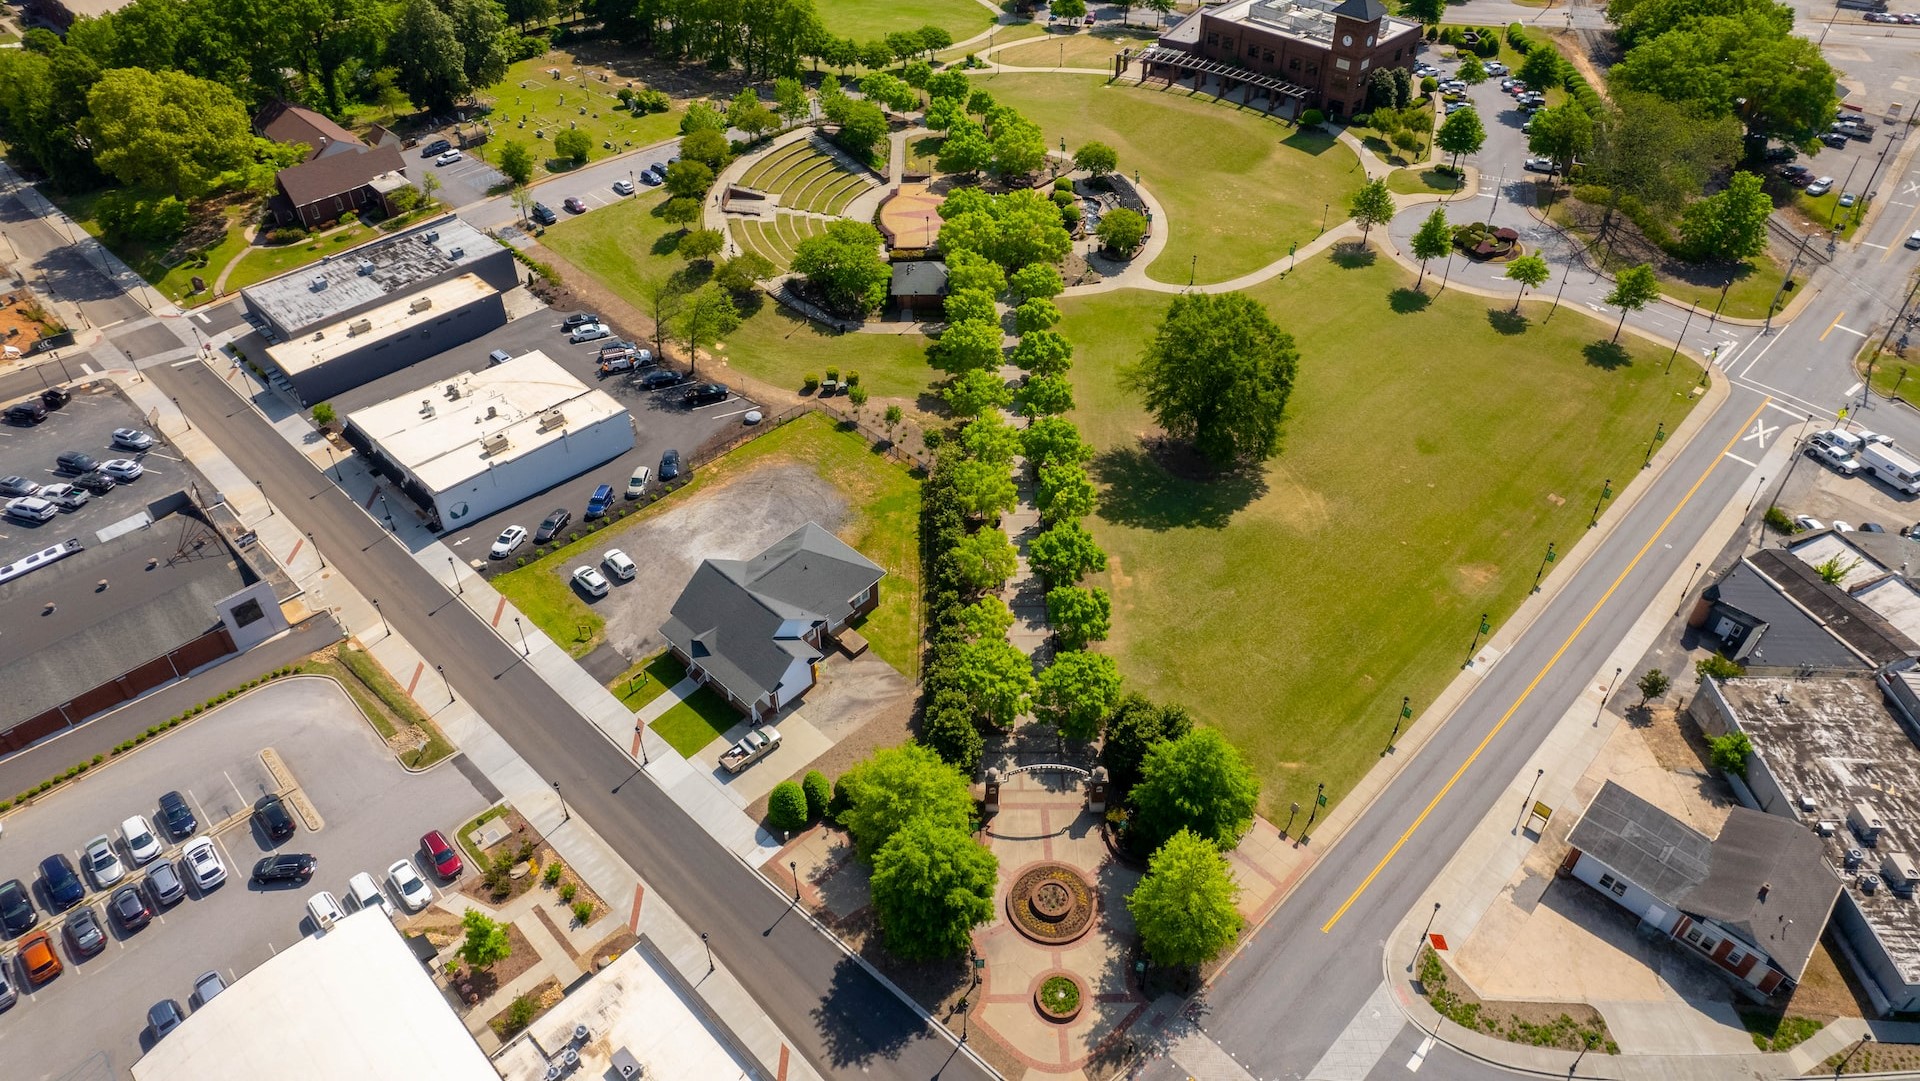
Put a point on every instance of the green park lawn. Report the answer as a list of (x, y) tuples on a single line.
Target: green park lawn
[(1000, 35), (1082, 49), (866, 20), (1433, 447), (695, 721), (531, 107), (1749, 286), (647, 680), (1214, 167), (624, 244), (1423, 180), (176, 282), (884, 525)]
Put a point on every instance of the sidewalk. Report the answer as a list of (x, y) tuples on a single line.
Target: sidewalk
[(579, 846), (1482, 870)]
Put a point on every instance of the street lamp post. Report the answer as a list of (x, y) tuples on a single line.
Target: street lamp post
[(442, 669), (1767, 326), (1525, 803), (1586, 1044), (454, 569), (1677, 341), (1482, 628), (1598, 713), (1688, 588), (1324, 208), (1606, 493), (1864, 1041), (316, 550), (524, 651), (709, 946), (1659, 434), (1406, 711), (1422, 940), (384, 629), (1715, 317), (566, 815), (188, 421), (794, 866), (1548, 558), (1193, 269)]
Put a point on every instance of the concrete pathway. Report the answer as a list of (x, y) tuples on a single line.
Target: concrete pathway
[(668, 699)]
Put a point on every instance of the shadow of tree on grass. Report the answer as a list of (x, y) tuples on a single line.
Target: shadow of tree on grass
[(1507, 321), (1141, 492), (1408, 301), (1608, 355), (1352, 256)]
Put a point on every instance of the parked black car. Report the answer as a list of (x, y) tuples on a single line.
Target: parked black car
[(64, 887), (96, 482), (284, 867), (436, 148), (74, 462), (544, 214), (706, 394), (17, 913), (177, 816), (552, 525), (129, 908), (658, 378), (274, 817), (578, 319), (55, 397), (670, 464), (26, 414)]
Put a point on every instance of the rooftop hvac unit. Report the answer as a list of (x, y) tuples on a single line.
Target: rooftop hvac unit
[(359, 326), (1807, 804), (1898, 869), (569, 1058), (419, 304), (455, 253), (495, 444), (426, 407), (432, 235), (366, 266), (492, 412), (552, 418), (580, 1034), (318, 282), (1853, 858), (453, 391), (553, 1073), (1869, 883), (626, 1065), (1826, 829), (1866, 823)]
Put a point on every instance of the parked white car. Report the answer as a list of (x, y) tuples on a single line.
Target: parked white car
[(1836, 459), (142, 843), (203, 863), (324, 911), (409, 886), (622, 567), (509, 539), (591, 581), (637, 483), (591, 332), (103, 863), (1808, 522), (364, 893)]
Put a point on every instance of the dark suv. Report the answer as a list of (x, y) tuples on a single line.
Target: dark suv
[(26, 414), (285, 867), (55, 397), (544, 214), (177, 815), (274, 817), (17, 914), (436, 148), (73, 463), (552, 526), (64, 887)]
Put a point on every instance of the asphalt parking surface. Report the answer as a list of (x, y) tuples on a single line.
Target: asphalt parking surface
[(461, 182), (84, 424), (91, 1020)]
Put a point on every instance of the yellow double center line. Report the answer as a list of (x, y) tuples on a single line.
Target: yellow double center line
[(1548, 667)]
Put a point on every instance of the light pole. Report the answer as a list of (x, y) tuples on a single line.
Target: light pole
[(1715, 317), (1548, 558), (709, 946), (1525, 803), (1659, 434), (1324, 207), (1472, 649), (442, 669), (311, 543), (454, 569), (263, 496), (794, 866), (1422, 940), (1193, 269), (524, 651), (566, 815), (1606, 493), (1864, 1041), (1688, 588), (1767, 326), (1677, 341), (1598, 713), (1406, 711), (1586, 1044), (384, 629), (183, 415)]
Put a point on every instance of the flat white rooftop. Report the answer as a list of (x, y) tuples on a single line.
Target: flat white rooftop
[(1822, 547), (353, 1003), (499, 414), (628, 1007), (329, 342)]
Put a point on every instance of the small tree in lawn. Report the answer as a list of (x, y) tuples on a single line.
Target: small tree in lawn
[(1042, 351), (1653, 684), (1372, 205), (1633, 289), (1036, 314), (486, 943), (573, 145), (1121, 230), (896, 786), (1472, 71), (996, 678), (1218, 373), (1197, 782), (1184, 907), (1433, 240), (1068, 9), (1098, 159), (857, 397), (1054, 441), (932, 885), (984, 560), (1079, 615), (891, 418), (1077, 692), (1461, 133), (516, 161), (1045, 395), (1531, 272)]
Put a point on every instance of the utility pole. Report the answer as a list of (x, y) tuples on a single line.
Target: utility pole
[(1688, 588), (1897, 320)]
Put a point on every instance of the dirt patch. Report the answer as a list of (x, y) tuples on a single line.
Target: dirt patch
[(526, 1009), (612, 946), (23, 321), (1827, 989), (1881, 1058), (1674, 738), (476, 985), (1570, 1026)]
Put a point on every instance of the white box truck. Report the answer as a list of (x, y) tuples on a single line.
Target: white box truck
[(1892, 466)]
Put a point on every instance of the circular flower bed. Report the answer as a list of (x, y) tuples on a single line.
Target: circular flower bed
[(1058, 998), (1051, 903)]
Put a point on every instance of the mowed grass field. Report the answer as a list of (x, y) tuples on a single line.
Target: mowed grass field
[(884, 525), (1237, 187), (1079, 50), (530, 107), (1430, 455), (868, 20)]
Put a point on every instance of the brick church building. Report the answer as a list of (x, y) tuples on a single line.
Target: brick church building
[(1314, 53)]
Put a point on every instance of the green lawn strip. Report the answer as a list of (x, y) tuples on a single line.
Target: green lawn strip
[(870, 19), (1000, 36), (1775, 1032), (528, 109), (478, 857), (259, 264), (647, 680), (1214, 167), (1077, 50), (763, 168), (1827, 212), (845, 192), (1371, 555), (1420, 181), (884, 503), (780, 178), (175, 281), (923, 154), (385, 704), (625, 245), (792, 182), (808, 197), (178, 282), (695, 721), (1891, 371), (780, 347), (754, 234)]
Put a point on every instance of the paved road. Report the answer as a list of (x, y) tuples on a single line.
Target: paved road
[(840, 1018)]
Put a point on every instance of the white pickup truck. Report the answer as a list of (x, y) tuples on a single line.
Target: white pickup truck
[(751, 748)]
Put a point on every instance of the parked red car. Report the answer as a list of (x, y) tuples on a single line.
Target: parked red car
[(446, 858)]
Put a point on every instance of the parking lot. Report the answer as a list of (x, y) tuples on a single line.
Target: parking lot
[(465, 181), (1817, 490), (661, 421), (84, 424), (91, 1020)]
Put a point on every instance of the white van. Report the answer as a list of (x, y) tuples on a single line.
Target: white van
[(1893, 467), (324, 911), (1846, 441), (364, 893)]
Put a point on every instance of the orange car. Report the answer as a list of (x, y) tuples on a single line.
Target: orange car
[(37, 956)]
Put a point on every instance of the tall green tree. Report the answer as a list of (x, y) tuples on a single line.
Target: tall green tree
[(1425, 11), (707, 315), (1185, 906), (896, 786), (1461, 133), (575, 146), (165, 130), (1035, 315), (427, 52), (486, 943), (516, 161), (1633, 289), (1563, 133), (966, 150), (1054, 441), (845, 266), (481, 28), (988, 617), (1044, 395), (790, 98), (1531, 272), (1043, 352), (1218, 373), (970, 306), (984, 559), (932, 884), (688, 179), (976, 391), (1096, 158), (1019, 147), (1065, 553), (1121, 230), (973, 270), (1137, 726), (996, 678), (1079, 615), (749, 114), (1433, 240), (1077, 692), (1542, 69), (1372, 205), (983, 488), (1065, 493), (970, 346), (1472, 71), (1040, 279), (1197, 782), (1658, 153), (990, 439), (1729, 225)]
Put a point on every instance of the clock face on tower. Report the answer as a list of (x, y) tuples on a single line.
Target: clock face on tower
[(1346, 39), (1369, 39)]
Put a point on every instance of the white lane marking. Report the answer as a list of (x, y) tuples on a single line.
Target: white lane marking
[(89, 369), (1742, 461), (1850, 330), (1871, 244), (1784, 409), (1853, 390), (184, 363), (1759, 434), (1419, 1055), (1757, 356)]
